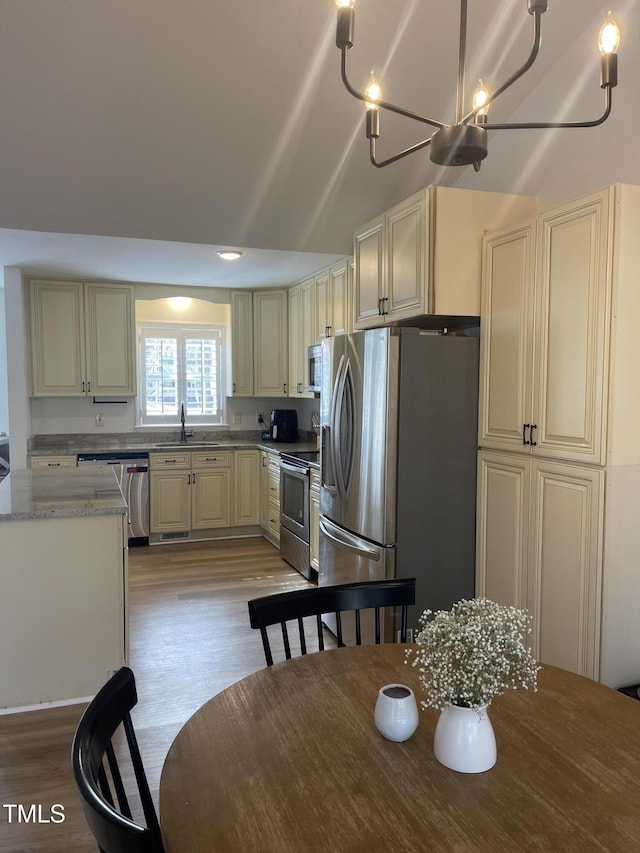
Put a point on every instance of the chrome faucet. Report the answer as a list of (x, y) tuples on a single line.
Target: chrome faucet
[(184, 435)]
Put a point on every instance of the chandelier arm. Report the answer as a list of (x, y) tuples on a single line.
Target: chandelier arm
[(542, 125), (385, 105), (381, 163), (537, 35)]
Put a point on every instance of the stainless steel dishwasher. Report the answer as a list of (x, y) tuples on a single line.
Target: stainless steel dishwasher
[(132, 471)]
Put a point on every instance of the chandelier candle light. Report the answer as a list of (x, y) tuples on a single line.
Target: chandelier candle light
[(465, 141)]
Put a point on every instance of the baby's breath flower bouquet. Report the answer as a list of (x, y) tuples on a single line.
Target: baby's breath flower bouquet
[(473, 652)]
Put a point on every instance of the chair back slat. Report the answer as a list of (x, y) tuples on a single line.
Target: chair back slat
[(298, 604), (121, 795), (113, 827)]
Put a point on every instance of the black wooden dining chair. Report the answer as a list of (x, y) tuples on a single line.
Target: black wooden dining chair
[(112, 825), (298, 604)]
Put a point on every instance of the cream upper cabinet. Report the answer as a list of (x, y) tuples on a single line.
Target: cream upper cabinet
[(506, 340), (543, 356), (271, 354), (242, 343), (82, 339), (340, 287), (324, 304), (301, 335), (424, 255), (539, 547)]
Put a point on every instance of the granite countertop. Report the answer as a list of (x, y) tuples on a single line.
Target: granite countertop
[(60, 493), (65, 445)]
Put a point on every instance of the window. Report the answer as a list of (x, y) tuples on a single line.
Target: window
[(181, 364)]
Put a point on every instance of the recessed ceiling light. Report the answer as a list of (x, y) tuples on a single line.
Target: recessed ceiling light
[(230, 254)]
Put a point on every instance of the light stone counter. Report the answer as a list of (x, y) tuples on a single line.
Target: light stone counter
[(60, 493)]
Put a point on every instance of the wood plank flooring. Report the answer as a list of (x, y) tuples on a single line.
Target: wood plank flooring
[(190, 638)]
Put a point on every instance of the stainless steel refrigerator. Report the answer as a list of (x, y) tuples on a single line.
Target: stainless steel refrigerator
[(398, 416)]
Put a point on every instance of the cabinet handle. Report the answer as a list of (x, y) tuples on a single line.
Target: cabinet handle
[(210, 459), (524, 428), (327, 331), (188, 479), (379, 306), (193, 478), (234, 387), (89, 387), (284, 387), (531, 441), (383, 310), (169, 461), (299, 387), (83, 389)]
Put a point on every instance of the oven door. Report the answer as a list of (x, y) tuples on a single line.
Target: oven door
[(294, 499)]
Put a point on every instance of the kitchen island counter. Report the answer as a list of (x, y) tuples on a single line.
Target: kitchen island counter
[(60, 493)]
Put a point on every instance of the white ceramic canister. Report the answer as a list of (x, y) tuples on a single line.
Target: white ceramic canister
[(396, 714)]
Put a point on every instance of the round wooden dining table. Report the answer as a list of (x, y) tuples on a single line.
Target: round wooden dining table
[(289, 760)]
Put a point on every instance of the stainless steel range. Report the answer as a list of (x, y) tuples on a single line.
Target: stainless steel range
[(294, 511)]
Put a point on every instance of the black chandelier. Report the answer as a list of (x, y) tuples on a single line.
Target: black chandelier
[(465, 141)]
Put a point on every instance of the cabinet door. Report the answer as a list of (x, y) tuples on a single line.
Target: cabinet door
[(566, 565), (264, 489), (308, 329), (406, 258), (57, 339), (571, 335), (506, 342), (110, 339), (242, 343), (211, 498), (368, 253), (271, 353), (246, 488), (170, 501), (339, 287), (324, 305), (296, 363), (502, 528)]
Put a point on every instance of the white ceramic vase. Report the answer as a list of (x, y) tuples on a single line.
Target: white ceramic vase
[(464, 739), (396, 713)]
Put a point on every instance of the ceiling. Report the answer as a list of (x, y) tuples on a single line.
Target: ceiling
[(139, 136)]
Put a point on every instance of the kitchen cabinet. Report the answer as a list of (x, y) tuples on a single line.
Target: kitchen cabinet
[(423, 256), (82, 339), (270, 343), (246, 491), (556, 519), (301, 335), (53, 462), (190, 491), (242, 343), (332, 300), (314, 520), (539, 548), (543, 355), (270, 496)]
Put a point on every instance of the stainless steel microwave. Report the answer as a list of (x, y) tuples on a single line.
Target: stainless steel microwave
[(315, 368)]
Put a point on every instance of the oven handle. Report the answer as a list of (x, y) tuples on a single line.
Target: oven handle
[(344, 541), (295, 469)]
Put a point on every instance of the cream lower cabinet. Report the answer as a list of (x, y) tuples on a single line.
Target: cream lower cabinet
[(82, 339), (314, 520), (52, 462), (270, 496), (190, 491), (539, 547), (246, 487)]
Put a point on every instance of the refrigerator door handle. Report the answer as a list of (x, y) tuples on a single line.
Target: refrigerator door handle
[(343, 416), (327, 472), (349, 543), (334, 431)]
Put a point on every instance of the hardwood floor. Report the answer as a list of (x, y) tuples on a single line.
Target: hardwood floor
[(189, 639)]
